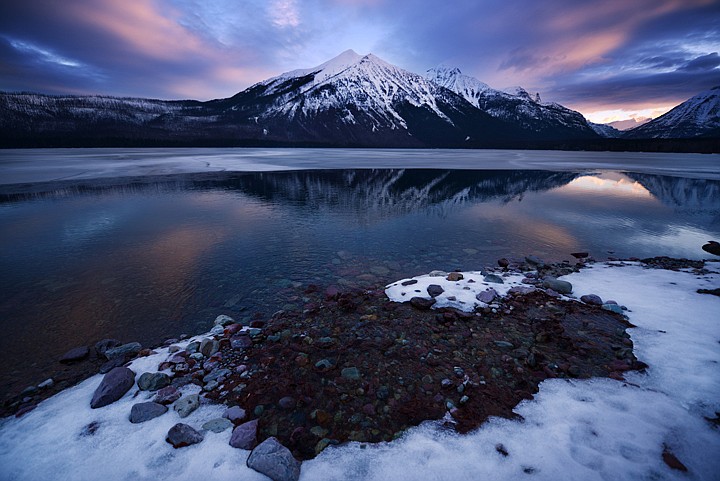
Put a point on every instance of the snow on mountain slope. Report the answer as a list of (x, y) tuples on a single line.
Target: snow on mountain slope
[(605, 130), (516, 106), (698, 116)]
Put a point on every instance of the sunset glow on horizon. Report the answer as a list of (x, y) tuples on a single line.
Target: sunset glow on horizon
[(610, 60)]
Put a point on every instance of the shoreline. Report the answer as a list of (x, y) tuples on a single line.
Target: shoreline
[(266, 345)]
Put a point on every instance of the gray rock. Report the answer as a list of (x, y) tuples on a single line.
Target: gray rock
[(494, 278), (223, 320), (434, 290), (592, 299), (274, 461), (76, 354), (503, 344), (217, 425), (218, 374), (152, 381), (182, 435), (562, 287), (208, 347), (487, 296), (112, 387), (187, 404), (535, 261), (287, 402), (240, 341), (235, 414), (101, 347), (167, 395), (521, 290), (123, 352), (113, 363), (46, 383), (245, 435), (142, 412), (350, 373), (324, 364), (613, 308)]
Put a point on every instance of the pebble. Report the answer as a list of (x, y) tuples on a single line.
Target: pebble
[(494, 278), (167, 395), (274, 461), (208, 347), (187, 404), (287, 402), (245, 435), (454, 277), (217, 425), (487, 296), (142, 412), (350, 373), (235, 414), (153, 381), (46, 384), (182, 435), (434, 290), (112, 387)]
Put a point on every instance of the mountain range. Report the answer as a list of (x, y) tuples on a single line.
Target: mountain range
[(348, 101)]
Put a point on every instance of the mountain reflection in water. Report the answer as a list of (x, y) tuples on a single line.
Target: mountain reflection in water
[(149, 258)]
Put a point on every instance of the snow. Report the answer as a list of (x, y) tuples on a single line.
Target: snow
[(597, 429), (459, 294)]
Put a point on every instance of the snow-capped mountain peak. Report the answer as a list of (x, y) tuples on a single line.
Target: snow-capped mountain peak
[(470, 88)]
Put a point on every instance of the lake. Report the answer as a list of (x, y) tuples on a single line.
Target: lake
[(145, 245)]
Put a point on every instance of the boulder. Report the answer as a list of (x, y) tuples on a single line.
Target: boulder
[(112, 387), (235, 414), (217, 425), (153, 381), (494, 278), (223, 320), (434, 290), (592, 299), (245, 435), (208, 347), (101, 347), (487, 296), (167, 395), (422, 303), (142, 412), (182, 435), (274, 461)]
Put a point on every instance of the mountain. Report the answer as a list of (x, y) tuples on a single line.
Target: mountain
[(349, 101), (538, 119), (605, 130), (698, 116), (628, 124)]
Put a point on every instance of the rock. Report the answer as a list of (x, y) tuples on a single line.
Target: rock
[(235, 414), (287, 403), (454, 276), (422, 303), (217, 374), (503, 262), (187, 404), (223, 320), (613, 308), (350, 373), (182, 435), (332, 293), (217, 425), (152, 381), (409, 282), (503, 344), (46, 383), (562, 287), (324, 365), (101, 347), (487, 296), (113, 363), (208, 347), (434, 290), (535, 261), (580, 255), (591, 299), (142, 412), (112, 387), (274, 461), (167, 395), (245, 435), (240, 341), (494, 278), (671, 460), (521, 290), (124, 351), (712, 247), (76, 354)]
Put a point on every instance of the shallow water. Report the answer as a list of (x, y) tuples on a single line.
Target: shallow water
[(147, 258)]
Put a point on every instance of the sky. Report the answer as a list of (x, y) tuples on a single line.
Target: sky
[(609, 59)]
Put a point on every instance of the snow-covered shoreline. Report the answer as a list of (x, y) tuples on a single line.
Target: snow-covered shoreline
[(573, 429)]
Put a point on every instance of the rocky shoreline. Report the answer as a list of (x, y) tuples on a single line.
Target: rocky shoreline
[(352, 365)]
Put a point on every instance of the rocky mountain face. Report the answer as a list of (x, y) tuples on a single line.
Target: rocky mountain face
[(698, 116), (348, 101)]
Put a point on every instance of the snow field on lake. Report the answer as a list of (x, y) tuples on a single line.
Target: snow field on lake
[(597, 429)]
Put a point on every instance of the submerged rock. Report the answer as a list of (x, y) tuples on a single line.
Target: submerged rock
[(112, 387), (274, 461), (76, 354)]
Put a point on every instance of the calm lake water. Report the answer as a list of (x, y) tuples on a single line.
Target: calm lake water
[(152, 257)]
